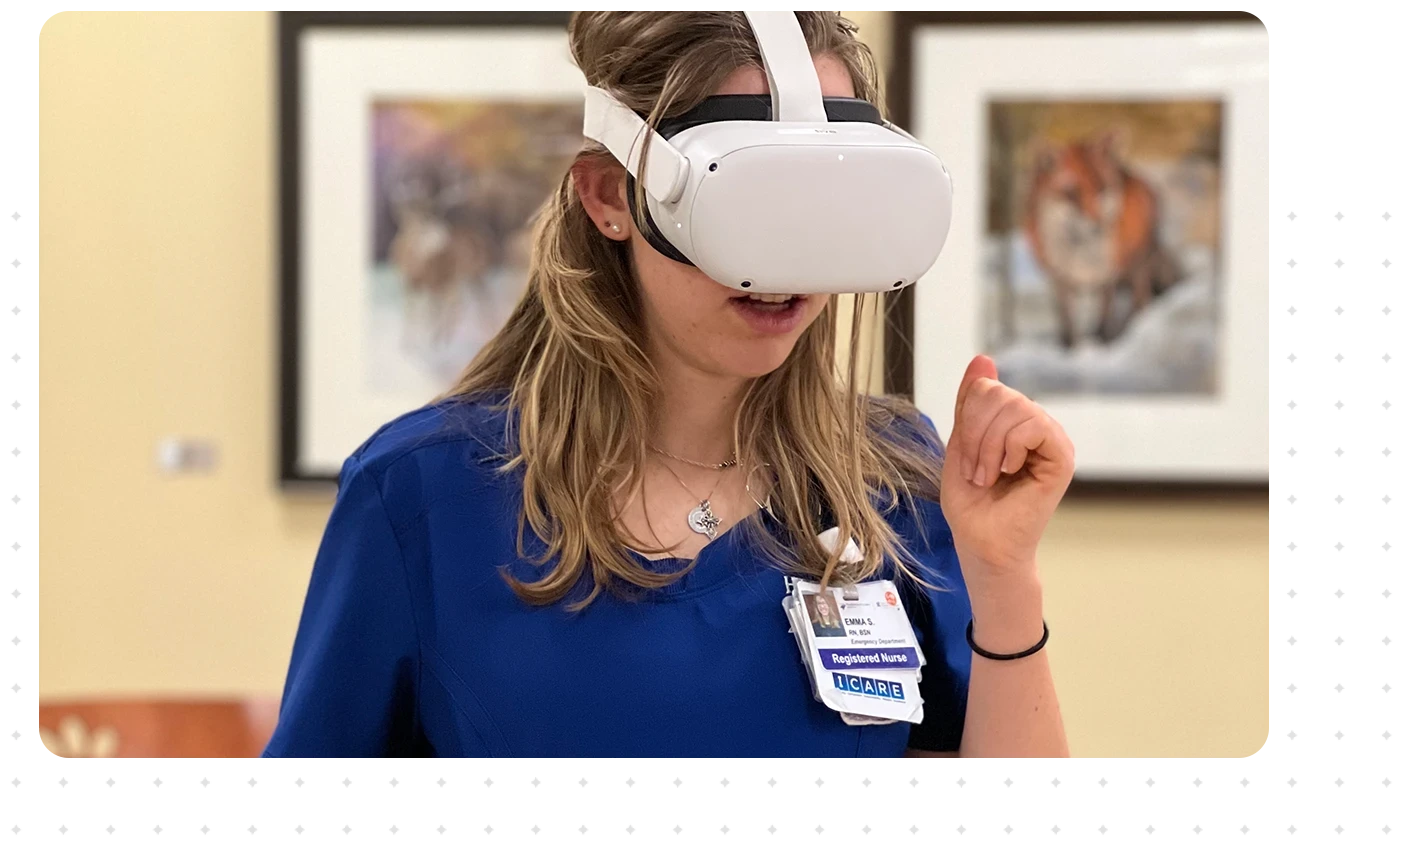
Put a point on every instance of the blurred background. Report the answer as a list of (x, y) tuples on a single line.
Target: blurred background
[(173, 560)]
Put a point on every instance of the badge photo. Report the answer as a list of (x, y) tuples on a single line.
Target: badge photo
[(824, 613)]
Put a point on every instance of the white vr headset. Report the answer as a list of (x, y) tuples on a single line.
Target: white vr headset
[(789, 192)]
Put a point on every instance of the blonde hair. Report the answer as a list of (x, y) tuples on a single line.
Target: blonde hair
[(583, 389)]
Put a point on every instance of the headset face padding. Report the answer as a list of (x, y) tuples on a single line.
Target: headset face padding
[(731, 108), (760, 108)]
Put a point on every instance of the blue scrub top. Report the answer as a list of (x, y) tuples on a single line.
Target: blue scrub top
[(411, 644)]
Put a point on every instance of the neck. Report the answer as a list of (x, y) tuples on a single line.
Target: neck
[(695, 418)]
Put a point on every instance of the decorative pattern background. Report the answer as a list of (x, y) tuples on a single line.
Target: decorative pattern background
[(1334, 381)]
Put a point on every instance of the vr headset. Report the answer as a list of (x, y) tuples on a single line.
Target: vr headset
[(787, 193)]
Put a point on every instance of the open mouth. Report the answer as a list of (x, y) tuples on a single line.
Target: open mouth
[(769, 302), (771, 313)]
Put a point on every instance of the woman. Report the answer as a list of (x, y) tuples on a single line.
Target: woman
[(567, 554), (824, 620)]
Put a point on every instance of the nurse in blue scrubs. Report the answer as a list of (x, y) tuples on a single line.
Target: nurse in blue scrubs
[(580, 549)]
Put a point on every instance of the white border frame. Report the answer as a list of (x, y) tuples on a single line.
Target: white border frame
[(343, 70), (955, 71)]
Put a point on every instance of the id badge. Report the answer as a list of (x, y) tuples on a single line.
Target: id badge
[(890, 615), (858, 650), (869, 630)]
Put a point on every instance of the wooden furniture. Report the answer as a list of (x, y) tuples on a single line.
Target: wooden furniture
[(236, 727)]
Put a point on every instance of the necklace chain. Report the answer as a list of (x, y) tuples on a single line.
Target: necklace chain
[(731, 462), (700, 519), (689, 490)]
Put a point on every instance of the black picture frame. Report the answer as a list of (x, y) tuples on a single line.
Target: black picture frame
[(898, 363), (291, 27)]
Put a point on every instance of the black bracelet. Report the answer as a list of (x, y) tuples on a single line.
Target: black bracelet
[(969, 636)]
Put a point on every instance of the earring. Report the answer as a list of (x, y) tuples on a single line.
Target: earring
[(614, 226)]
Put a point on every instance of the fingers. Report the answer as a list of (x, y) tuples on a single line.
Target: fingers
[(980, 367), (1043, 435), (1022, 439), (993, 450), (997, 429), (984, 401)]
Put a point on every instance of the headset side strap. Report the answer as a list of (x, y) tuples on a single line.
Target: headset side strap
[(898, 130), (620, 130), (789, 67)]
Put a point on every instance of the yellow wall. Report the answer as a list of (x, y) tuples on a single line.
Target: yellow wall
[(157, 313)]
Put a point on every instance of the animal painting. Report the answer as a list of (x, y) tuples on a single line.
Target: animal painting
[(1093, 225)]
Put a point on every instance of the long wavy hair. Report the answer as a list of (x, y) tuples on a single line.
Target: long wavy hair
[(582, 390)]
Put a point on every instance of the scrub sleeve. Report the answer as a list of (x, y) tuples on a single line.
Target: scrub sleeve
[(355, 665)]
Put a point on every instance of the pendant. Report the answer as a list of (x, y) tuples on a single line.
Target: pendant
[(703, 521)]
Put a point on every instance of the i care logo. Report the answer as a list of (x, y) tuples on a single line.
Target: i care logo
[(871, 686)]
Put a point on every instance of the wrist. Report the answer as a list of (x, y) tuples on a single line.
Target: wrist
[(998, 583), (1008, 616)]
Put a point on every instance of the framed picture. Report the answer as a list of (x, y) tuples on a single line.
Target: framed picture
[(1109, 246), (415, 149)]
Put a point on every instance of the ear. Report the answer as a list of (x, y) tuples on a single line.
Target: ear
[(1112, 143), (601, 184)]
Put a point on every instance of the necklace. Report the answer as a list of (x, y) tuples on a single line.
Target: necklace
[(756, 500), (701, 519), (731, 462)]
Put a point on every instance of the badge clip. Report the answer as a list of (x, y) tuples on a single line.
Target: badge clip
[(829, 540)]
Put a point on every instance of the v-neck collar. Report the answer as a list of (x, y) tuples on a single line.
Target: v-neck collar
[(725, 558)]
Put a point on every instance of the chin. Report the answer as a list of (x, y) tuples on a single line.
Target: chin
[(755, 358)]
